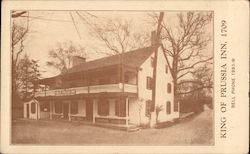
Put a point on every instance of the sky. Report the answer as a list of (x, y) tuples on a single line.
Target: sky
[(47, 28)]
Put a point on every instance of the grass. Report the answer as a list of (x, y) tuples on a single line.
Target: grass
[(197, 130)]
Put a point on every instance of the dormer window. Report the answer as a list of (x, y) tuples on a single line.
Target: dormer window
[(166, 69)]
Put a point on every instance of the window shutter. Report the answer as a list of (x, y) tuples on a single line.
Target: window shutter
[(148, 108), (169, 88), (168, 107), (150, 83)]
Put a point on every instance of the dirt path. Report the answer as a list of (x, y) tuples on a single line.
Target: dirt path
[(197, 130)]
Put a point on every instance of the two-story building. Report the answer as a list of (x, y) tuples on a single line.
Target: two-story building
[(120, 89)]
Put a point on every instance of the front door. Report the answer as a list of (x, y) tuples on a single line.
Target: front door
[(65, 110), (89, 110)]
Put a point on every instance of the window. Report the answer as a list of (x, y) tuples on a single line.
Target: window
[(148, 108), (33, 108), (152, 61), (166, 69), (126, 79), (169, 88), (120, 108), (58, 107), (103, 108), (73, 107), (168, 107), (176, 106), (149, 83)]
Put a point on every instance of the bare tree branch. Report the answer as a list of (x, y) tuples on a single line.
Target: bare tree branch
[(196, 63), (185, 42)]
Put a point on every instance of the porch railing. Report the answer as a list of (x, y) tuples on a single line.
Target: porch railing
[(91, 89)]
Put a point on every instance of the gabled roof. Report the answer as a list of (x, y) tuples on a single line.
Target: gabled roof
[(133, 58)]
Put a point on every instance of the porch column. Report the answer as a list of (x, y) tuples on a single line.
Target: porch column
[(69, 110), (50, 110), (127, 111), (94, 110)]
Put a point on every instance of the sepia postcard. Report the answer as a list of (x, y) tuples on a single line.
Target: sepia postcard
[(124, 76)]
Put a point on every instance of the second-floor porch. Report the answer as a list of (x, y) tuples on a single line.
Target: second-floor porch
[(103, 80)]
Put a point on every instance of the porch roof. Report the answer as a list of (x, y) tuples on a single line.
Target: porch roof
[(84, 96)]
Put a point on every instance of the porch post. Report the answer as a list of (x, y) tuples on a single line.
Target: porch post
[(94, 110), (69, 110), (36, 111), (50, 110), (127, 111)]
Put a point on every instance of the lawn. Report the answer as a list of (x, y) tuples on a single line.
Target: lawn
[(197, 130)]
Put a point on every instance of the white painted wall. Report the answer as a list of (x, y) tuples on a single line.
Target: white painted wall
[(34, 115), (162, 79), (162, 96), (143, 93), (137, 111)]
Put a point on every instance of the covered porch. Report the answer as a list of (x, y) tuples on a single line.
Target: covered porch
[(104, 109)]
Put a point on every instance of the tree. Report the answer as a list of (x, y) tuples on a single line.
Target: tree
[(193, 92), (28, 74), (116, 34), (18, 34), (185, 43), (61, 56)]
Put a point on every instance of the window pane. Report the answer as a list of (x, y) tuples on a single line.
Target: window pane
[(33, 108)]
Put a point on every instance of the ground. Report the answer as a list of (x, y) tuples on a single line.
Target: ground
[(197, 130)]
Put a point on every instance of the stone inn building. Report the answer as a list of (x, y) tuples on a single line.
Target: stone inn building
[(124, 89)]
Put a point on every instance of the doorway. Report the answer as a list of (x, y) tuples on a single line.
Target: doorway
[(65, 110), (89, 109)]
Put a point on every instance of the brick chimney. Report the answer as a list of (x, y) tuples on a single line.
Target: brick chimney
[(76, 60)]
